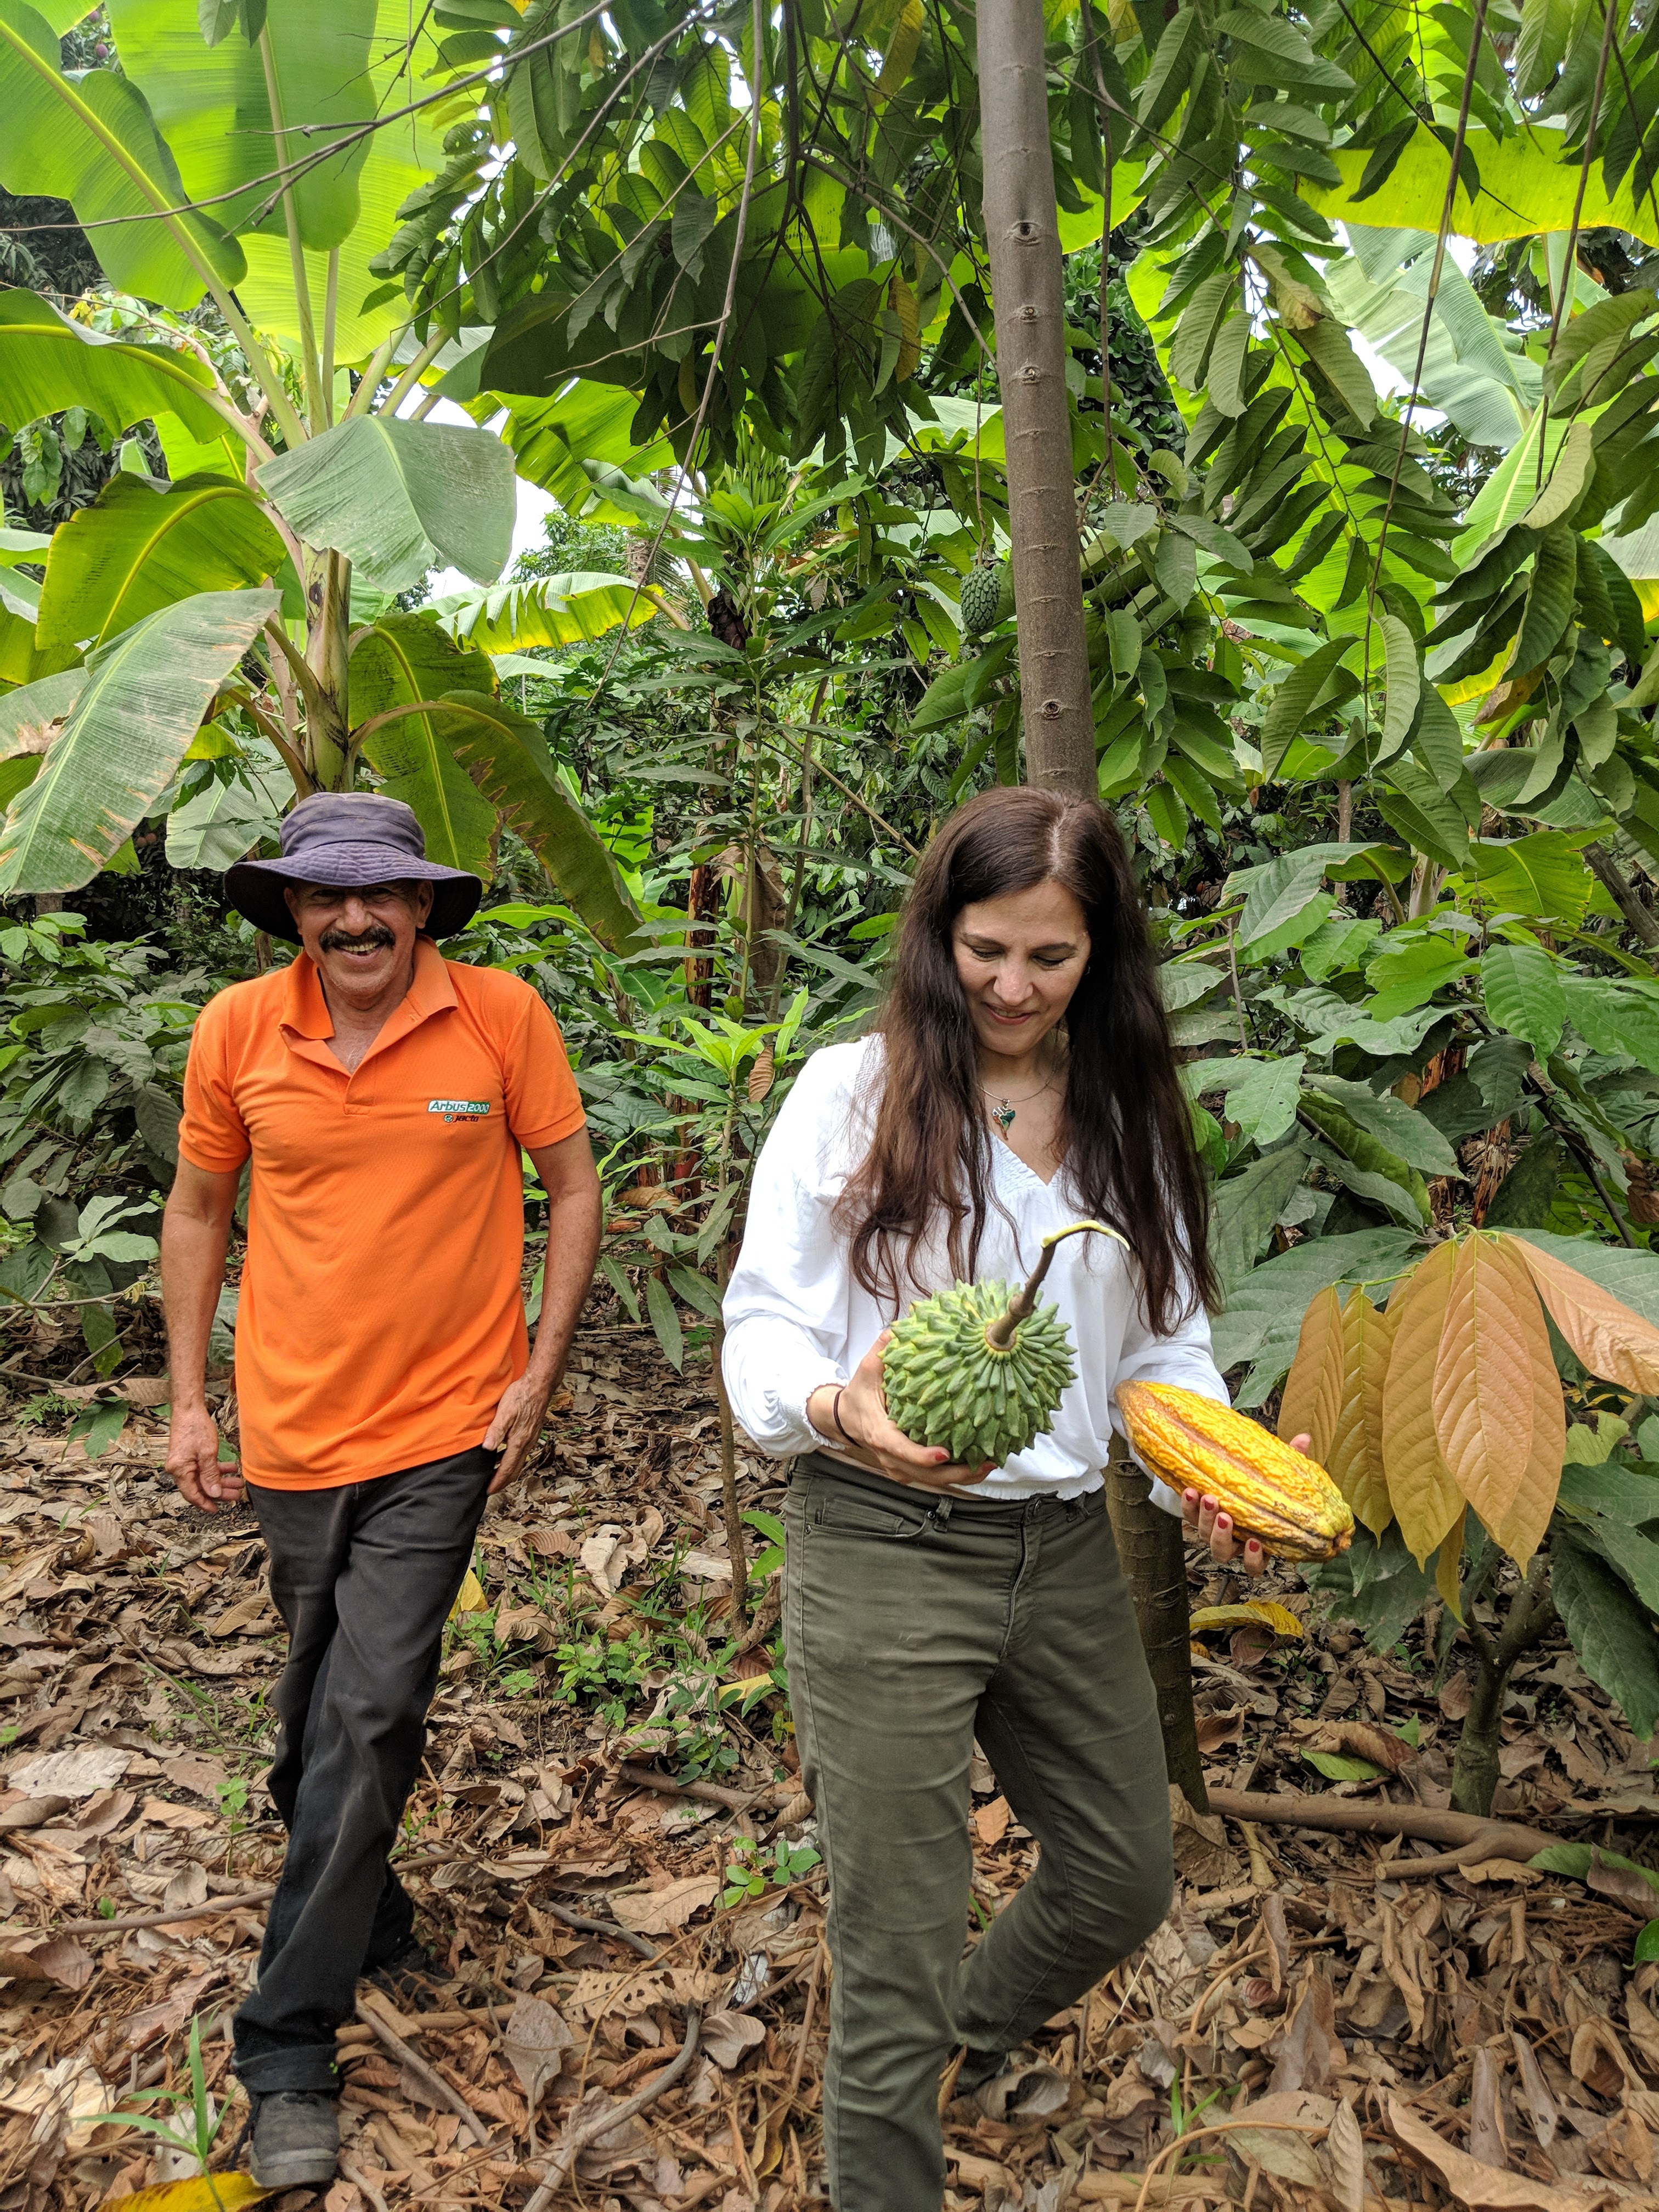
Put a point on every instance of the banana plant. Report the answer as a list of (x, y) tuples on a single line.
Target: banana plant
[(194, 635)]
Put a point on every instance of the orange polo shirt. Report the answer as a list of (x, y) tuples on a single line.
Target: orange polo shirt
[(380, 1315)]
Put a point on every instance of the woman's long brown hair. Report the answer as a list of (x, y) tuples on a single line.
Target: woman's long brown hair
[(1124, 1133)]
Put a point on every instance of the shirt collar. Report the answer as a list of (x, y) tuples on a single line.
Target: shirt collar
[(304, 1010)]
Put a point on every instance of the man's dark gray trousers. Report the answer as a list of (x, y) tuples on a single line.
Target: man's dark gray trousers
[(364, 1576)]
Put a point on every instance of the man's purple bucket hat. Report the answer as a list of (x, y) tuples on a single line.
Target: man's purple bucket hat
[(349, 839)]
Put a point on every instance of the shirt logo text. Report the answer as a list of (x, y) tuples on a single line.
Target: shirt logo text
[(459, 1109)]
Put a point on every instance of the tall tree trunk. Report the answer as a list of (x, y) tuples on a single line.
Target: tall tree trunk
[(1022, 232), (1152, 1547)]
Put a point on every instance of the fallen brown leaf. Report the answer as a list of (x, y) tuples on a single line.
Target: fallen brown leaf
[(1482, 2187)]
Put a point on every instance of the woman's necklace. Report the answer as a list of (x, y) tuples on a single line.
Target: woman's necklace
[(1003, 1112)]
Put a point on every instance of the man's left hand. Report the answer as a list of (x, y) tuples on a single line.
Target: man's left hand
[(517, 1425)]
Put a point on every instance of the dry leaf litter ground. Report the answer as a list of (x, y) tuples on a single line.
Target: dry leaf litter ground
[(1320, 2024)]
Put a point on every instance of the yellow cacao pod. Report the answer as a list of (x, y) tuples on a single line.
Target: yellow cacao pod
[(1281, 1497)]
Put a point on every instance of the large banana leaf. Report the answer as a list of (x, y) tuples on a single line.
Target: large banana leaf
[(551, 439), (337, 63), (508, 758), (568, 610), (93, 140), (143, 702), (1381, 291), (23, 660), (48, 363), (217, 826), (30, 715), (398, 498), (402, 659), (143, 545), (28, 719), (1527, 184), (214, 106)]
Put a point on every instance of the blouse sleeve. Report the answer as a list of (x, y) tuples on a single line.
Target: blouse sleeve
[(1183, 1357), (786, 1308)]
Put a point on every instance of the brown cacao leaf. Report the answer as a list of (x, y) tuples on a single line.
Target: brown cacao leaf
[(1425, 1498), (1610, 1339), (1597, 2058), (1312, 1403), (1310, 2052), (1644, 2030), (1540, 2105), (1482, 2187), (1361, 1740), (1274, 2136), (1623, 1884), (56, 1959), (660, 1912), (1520, 1529), (1483, 1411), (1448, 1567), (1277, 1934), (1486, 2138), (1344, 2147)]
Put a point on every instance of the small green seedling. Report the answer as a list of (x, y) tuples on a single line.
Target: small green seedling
[(750, 1870), (204, 2123)]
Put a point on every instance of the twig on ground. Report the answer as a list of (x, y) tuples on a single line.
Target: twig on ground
[(580, 1920), (425, 2075), (1182, 2141), (354, 2173), (262, 1895), (806, 2019), (205, 1911), (711, 1793), (565, 2156)]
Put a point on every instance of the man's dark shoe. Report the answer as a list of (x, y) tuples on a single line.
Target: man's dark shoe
[(408, 1975), (977, 2068), (296, 2139)]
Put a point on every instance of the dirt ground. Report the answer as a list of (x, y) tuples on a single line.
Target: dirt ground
[(1476, 2035)]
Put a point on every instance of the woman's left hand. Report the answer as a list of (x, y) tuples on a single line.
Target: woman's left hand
[(1204, 1519)]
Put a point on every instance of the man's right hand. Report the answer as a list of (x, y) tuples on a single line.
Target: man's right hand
[(193, 1460), (874, 1438)]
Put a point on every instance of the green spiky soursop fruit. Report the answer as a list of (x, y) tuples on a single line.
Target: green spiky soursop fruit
[(982, 597), (982, 1368)]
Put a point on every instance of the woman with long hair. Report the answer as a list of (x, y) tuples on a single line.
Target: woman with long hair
[(1018, 1078)]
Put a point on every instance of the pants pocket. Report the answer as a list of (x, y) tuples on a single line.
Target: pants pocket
[(853, 1514)]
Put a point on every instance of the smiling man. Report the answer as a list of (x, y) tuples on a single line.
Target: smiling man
[(385, 1386)]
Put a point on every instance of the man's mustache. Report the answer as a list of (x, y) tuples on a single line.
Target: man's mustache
[(369, 940)]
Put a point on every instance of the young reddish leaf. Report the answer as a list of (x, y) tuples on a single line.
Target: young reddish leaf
[(1356, 1462), (1448, 1567), (1312, 1403), (1482, 1400), (1610, 1339), (1425, 1498), (1520, 1527)]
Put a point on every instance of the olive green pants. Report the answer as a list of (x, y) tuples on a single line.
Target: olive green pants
[(911, 1625)]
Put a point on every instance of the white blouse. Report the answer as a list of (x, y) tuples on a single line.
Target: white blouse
[(797, 1317)]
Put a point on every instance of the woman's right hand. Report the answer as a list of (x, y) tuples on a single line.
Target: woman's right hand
[(868, 1430)]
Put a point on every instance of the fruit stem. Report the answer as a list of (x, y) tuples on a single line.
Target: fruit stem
[(999, 1333)]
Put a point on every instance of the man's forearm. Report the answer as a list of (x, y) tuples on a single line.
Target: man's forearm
[(573, 1246), (193, 1274)]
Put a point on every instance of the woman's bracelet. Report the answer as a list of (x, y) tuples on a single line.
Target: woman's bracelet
[(835, 1412)]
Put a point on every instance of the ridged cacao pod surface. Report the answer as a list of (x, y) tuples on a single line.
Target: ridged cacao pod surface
[(947, 1383), (1281, 1497)]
